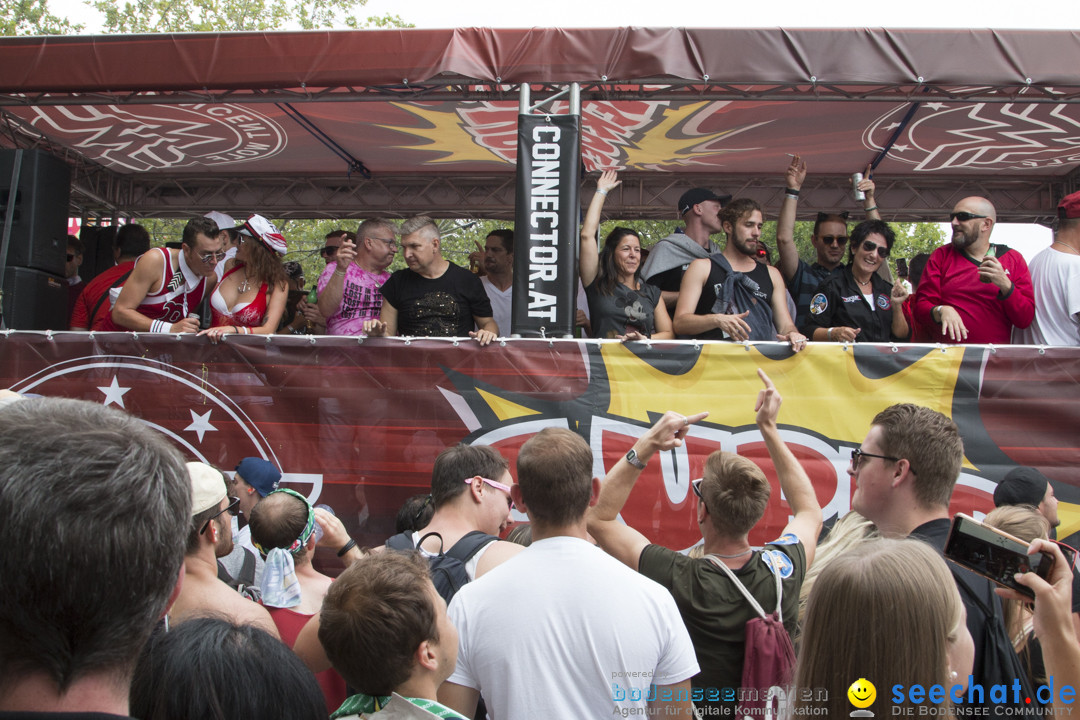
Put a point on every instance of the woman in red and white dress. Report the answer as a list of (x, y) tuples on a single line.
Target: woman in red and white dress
[(250, 299)]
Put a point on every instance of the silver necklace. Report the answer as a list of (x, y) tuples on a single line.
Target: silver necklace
[(244, 285), (747, 551)]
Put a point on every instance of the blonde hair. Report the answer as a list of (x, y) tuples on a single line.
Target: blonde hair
[(735, 492), (886, 611), (1025, 523), (848, 532)]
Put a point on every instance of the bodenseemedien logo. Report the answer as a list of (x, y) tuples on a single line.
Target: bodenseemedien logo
[(862, 694)]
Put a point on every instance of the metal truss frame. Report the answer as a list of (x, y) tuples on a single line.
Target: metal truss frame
[(458, 89)]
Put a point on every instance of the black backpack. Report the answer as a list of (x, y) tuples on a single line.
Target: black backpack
[(999, 663), (448, 567)]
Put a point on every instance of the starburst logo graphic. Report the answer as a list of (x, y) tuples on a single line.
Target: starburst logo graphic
[(981, 136), (635, 135), (174, 136)]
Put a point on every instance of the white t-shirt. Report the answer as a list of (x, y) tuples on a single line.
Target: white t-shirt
[(563, 630), (1055, 276), (500, 305)]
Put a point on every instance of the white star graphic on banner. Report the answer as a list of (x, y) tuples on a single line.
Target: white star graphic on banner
[(200, 424), (114, 393)]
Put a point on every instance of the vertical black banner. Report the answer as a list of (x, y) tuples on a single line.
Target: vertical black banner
[(546, 225)]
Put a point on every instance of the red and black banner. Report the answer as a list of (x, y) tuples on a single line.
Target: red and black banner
[(357, 423)]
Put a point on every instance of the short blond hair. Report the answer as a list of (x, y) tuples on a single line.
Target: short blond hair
[(735, 492), (418, 223)]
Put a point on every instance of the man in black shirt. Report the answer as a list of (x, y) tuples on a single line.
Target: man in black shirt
[(432, 297), (904, 474)]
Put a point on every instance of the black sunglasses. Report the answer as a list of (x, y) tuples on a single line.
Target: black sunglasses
[(232, 508), (857, 455), (834, 239), (328, 251), (70, 257), (964, 216), (870, 247)]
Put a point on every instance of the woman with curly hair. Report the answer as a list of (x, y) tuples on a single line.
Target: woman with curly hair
[(621, 304), (250, 299)]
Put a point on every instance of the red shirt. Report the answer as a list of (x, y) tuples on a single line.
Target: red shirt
[(94, 290), (951, 278)]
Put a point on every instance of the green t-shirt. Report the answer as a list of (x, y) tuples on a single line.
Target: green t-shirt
[(716, 613)]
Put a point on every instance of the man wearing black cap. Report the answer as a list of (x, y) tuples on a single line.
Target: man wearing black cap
[(1028, 486), (699, 209), (1055, 274)]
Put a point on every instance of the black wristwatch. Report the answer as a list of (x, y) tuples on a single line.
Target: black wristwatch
[(632, 458)]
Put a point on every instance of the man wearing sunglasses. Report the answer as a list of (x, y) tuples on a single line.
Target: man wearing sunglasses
[(470, 491), (163, 293), (210, 537), (971, 290), (728, 502), (349, 287), (904, 474), (830, 239)]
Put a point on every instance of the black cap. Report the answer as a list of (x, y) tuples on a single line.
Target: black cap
[(1022, 486), (690, 198)]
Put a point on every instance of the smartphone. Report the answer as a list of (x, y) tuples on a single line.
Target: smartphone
[(994, 554), (901, 267)]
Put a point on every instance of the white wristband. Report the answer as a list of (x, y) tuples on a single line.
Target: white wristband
[(160, 326), (829, 335), (602, 192)]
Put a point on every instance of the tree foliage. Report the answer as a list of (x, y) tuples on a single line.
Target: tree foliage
[(149, 16), (33, 17)]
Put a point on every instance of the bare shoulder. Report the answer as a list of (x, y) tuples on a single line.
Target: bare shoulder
[(498, 553), (776, 276)]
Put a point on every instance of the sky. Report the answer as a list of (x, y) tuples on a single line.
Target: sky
[(995, 14)]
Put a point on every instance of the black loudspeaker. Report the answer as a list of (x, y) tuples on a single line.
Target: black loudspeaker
[(40, 220), (34, 300), (98, 250)]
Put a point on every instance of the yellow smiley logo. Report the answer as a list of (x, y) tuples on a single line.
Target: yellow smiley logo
[(862, 693)]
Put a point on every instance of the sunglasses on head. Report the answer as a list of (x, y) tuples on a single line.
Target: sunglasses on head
[(869, 246), (964, 216)]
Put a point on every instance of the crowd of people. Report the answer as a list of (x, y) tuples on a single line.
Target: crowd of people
[(138, 585), (115, 602), (686, 285)]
